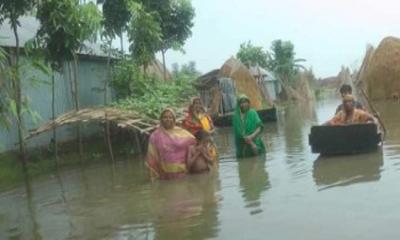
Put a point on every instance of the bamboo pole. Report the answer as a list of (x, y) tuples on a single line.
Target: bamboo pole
[(53, 118), (374, 112), (76, 81), (107, 123)]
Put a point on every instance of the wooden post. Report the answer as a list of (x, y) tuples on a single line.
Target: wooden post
[(54, 117), (107, 123)]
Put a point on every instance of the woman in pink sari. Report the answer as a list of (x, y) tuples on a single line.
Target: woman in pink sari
[(168, 148)]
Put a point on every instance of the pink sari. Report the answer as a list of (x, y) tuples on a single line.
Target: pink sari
[(167, 152)]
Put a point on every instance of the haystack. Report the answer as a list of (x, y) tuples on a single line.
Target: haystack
[(381, 71), (303, 86), (156, 70), (244, 81)]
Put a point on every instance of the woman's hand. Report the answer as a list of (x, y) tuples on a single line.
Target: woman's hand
[(248, 139)]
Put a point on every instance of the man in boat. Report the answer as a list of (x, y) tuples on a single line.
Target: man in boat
[(346, 89), (349, 114)]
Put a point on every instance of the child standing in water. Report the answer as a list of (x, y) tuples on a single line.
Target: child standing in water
[(202, 156)]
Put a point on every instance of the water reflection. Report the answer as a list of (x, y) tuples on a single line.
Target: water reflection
[(35, 231), (253, 181), (186, 210), (23, 220), (329, 172), (225, 143), (295, 122)]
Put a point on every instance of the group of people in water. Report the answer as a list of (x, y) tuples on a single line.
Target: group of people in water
[(175, 151), (350, 111)]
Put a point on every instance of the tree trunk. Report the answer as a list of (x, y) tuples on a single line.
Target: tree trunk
[(18, 101), (164, 67), (138, 143), (53, 113), (76, 90), (121, 39), (107, 123)]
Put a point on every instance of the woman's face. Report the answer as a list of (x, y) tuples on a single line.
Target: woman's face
[(167, 120), (348, 105), (197, 106), (244, 105)]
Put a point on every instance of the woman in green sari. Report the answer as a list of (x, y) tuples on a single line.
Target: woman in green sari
[(248, 128)]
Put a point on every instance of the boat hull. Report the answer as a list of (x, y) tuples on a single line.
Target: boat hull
[(346, 139)]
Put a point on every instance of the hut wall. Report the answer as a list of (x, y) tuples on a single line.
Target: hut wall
[(244, 81), (272, 86), (91, 74)]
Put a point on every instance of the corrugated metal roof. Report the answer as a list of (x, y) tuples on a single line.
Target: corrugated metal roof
[(28, 29), (256, 71)]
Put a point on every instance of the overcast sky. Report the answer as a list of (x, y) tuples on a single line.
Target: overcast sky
[(327, 34)]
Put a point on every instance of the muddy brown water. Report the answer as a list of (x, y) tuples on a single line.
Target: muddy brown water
[(289, 194)]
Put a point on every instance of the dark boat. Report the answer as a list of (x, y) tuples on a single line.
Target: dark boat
[(266, 115), (346, 139)]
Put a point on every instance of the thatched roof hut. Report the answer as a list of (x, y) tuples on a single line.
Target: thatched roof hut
[(219, 88), (380, 72)]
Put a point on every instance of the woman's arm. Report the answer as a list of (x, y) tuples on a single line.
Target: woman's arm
[(193, 155), (250, 137), (204, 152)]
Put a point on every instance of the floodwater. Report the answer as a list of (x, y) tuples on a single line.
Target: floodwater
[(289, 194)]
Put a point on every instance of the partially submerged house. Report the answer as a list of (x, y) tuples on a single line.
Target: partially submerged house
[(92, 72), (268, 83), (220, 87)]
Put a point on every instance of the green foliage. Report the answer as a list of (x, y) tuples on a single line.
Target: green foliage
[(13, 9), (162, 95), (8, 102), (128, 80), (176, 20), (283, 62), (65, 25), (147, 96), (144, 33), (187, 72), (116, 17), (5, 120), (251, 55)]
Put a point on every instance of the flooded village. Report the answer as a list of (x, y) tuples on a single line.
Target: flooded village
[(102, 136)]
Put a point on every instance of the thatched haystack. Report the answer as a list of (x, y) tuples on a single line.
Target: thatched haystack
[(156, 70), (219, 88), (380, 72), (244, 81), (303, 86)]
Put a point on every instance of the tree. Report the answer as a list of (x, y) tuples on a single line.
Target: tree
[(144, 34), (116, 16), (12, 10), (285, 66), (283, 62), (176, 21), (186, 73), (65, 25), (251, 55)]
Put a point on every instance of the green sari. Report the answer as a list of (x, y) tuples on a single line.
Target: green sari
[(244, 127)]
